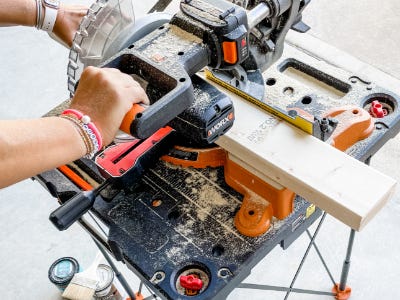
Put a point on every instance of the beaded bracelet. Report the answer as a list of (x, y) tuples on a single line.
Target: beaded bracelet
[(90, 126), (92, 135), (86, 139)]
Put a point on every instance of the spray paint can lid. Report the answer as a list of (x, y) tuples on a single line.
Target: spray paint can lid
[(62, 270), (106, 278)]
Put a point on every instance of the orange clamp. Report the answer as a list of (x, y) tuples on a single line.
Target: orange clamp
[(261, 201), (355, 124)]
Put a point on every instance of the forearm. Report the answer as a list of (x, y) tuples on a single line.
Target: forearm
[(18, 12), (29, 147)]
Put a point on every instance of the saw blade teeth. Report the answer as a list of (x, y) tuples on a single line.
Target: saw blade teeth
[(72, 65), (73, 56), (77, 48), (91, 17), (84, 33), (96, 7)]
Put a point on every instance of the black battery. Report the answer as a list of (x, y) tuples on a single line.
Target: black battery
[(210, 115)]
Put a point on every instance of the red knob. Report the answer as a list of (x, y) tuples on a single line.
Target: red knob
[(377, 110), (191, 282)]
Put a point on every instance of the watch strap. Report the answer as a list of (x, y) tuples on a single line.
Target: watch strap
[(50, 16)]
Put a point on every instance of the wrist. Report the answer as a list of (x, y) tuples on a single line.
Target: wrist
[(76, 139)]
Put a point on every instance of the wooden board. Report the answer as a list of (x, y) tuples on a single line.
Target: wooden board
[(337, 183)]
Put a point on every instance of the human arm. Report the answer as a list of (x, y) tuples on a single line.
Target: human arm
[(23, 12), (29, 147)]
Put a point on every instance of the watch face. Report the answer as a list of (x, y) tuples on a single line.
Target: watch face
[(52, 3)]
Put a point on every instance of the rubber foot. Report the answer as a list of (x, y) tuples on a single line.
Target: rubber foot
[(341, 295), (138, 297)]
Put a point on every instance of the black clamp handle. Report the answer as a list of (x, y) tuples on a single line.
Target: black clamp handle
[(65, 215)]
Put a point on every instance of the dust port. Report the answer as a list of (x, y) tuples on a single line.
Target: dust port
[(388, 102), (197, 273)]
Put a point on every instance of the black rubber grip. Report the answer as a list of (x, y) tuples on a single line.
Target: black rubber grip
[(64, 216)]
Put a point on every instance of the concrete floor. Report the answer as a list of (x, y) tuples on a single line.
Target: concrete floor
[(33, 80)]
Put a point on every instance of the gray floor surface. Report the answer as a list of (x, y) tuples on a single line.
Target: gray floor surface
[(33, 80)]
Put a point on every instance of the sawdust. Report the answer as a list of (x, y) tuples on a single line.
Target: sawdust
[(178, 254), (213, 176), (201, 100), (170, 43), (184, 36), (206, 217), (276, 223), (171, 166), (208, 11), (210, 196), (185, 228), (358, 149), (208, 199)]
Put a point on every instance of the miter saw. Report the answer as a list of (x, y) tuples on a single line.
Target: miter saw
[(235, 42)]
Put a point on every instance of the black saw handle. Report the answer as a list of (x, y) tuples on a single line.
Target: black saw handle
[(65, 215), (166, 72)]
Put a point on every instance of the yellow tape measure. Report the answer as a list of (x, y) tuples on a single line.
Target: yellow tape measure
[(296, 120)]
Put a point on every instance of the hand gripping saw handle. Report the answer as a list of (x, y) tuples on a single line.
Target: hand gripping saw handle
[(164, 59)]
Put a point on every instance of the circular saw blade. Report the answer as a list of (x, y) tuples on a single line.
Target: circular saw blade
[(93, 43), (109, 27)]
